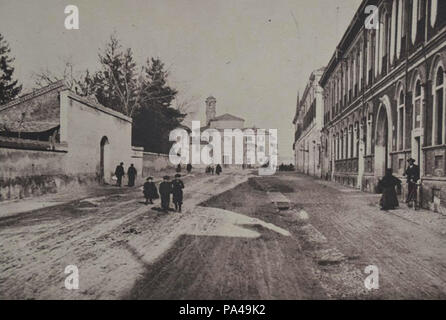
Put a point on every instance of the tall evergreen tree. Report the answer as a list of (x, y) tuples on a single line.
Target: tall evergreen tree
[(107, 80), (156, 118), (116, 84), (9, 88)]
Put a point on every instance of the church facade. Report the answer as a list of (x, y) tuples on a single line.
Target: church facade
[(230, 122)]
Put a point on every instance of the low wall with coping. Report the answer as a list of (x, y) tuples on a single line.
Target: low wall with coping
[(32, 168), (153, 163)]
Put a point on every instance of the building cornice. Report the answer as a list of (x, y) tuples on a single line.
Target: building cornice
[(355, 27), (97, 106)]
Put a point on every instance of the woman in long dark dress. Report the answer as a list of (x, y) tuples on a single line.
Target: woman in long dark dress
[(387, 184)]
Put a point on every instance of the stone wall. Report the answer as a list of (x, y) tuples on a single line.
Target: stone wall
[(84, 126), (34, 168), (153, 163)]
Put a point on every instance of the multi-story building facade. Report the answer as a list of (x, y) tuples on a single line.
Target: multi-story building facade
[(308, 122), (384, 97), (253, 141)]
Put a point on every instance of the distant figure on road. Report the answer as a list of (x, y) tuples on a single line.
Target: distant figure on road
[(218, 169), (150, 191), (119, 173), (131, 173), (177, 191), (189, 168), (387, 185), (165, 191), (178, 169), (413, 175), (212, 169)]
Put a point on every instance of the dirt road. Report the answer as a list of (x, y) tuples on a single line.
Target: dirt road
[(317, 250), (229, 243), (109, 238)]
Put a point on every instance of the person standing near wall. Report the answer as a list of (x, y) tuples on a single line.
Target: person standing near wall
[(218, 169), (119, 173), (413, 175), (189, 168), (131, 173)]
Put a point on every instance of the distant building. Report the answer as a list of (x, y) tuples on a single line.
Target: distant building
[(308, 122), (231, 122)]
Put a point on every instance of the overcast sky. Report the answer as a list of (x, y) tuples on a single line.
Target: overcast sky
[(252, 55)]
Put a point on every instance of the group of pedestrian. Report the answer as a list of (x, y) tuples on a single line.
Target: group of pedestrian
[(188, 168), (166, 188), (211, 170), (131, 174), (389, 182)]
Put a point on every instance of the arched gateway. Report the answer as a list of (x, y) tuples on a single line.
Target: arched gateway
[(383, 138)]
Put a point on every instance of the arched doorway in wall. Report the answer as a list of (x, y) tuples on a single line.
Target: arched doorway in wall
[(383, 140), (104, 162)]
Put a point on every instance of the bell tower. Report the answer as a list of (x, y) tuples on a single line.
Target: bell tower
[(210, 109)]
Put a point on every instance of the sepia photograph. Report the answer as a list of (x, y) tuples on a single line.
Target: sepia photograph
[(207, 151)]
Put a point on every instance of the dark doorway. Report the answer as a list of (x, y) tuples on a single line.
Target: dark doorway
[(103, 163)]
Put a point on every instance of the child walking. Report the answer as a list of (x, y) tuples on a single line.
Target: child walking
[(177, 191), (150, 191)]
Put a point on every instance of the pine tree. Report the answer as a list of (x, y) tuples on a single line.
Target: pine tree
[(155, 118), (108, 78), (9, 88), (116, 84)]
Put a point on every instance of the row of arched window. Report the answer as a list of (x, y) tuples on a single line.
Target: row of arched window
[(345, 143), (384, 46), (435, 112)]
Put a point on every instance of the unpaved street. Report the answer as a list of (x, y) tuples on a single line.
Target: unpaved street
[(109, 238), (332, 234), (230, 242)]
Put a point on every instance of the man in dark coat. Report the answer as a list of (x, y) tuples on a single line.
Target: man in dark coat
[(131, 173), (387, 184), (218, 169), (119, 173), (177, 191), (165, 191), (178, 169), (413, 175), (150, 191), (189, 168)]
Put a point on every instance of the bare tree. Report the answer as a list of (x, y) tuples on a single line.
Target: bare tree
[(73, 78)]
